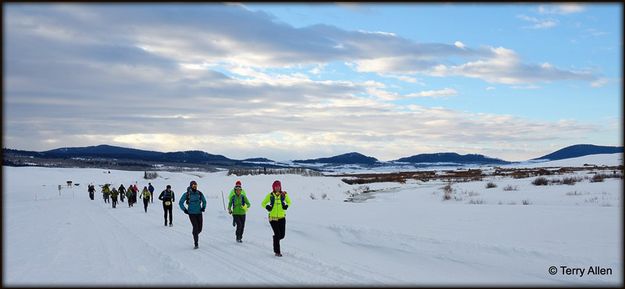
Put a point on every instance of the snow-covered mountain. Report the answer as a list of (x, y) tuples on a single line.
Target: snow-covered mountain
[(344, 159), (579, 151), (450, 158), (128, 158)]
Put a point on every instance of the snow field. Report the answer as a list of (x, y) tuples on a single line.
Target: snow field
[(404, 234)]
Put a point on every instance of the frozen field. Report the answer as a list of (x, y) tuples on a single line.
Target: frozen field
[(401, 234)]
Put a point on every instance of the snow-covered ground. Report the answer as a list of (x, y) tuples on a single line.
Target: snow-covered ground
[(401, 234)]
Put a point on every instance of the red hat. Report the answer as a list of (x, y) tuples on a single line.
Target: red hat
[(237, 184), (276, 186)]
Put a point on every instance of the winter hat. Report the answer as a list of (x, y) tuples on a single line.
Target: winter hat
[(169, 186), (276, 186), (192, 183), (237, 184)]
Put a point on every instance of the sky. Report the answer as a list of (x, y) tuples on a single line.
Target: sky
[(298, 81)]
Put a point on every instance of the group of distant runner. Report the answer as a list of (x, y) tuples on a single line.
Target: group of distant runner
[(193, 203)]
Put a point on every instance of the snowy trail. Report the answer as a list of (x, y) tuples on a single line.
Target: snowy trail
[(135, 247)]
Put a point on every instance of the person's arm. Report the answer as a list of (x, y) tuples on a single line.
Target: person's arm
[(160, 197), (230, 204), (247, 201), (265, 201), (173, 197), (287, 199), (203, 202), (181, 203)]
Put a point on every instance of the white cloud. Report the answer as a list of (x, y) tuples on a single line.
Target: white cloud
[(317, 69), (531, 86), (435, 93), (378, 32), (562, 9), (600, 82), (459, 44), (538, 23), (593, 32), (404, 78), (505, 67), (490, 88)]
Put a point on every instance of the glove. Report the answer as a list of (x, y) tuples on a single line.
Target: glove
[(284, 206), (229, 211), (269, 208), (186, 211), (203, 209)]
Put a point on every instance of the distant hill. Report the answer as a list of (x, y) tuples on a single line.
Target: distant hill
[(579, 151), (102, 151), (195, 157), (259, 160), (344, 159), (115, 152), (451, 158)]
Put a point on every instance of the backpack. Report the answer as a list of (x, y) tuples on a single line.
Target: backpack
[(189, 194), (242, 200)]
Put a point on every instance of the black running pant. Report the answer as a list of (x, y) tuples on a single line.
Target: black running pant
[(145, 204), (167, 209), (279, 228), (196, 222), (239, 220), (114, 201)]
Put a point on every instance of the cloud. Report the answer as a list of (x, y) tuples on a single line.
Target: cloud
[(215, 35), (538, 23), (505, 67), (600, 82), (404, 78), (435, 93), (232, 81), (561, 9)]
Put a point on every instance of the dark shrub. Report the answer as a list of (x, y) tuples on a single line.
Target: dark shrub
[(540, 181)]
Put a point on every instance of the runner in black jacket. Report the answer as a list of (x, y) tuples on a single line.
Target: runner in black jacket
[(168, 198)]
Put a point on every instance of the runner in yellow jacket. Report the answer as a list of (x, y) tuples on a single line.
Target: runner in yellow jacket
[(276, 203)]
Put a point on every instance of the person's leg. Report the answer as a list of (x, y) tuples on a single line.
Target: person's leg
[(276, 241), (171, 214), (200, 222), (145, 205), (240, 226), (195, 225), (165, 213), (238, 222), (282, 228)]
